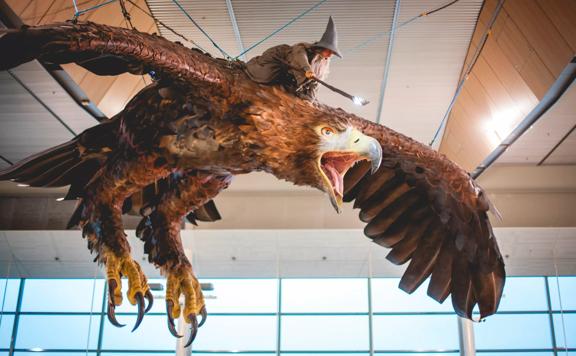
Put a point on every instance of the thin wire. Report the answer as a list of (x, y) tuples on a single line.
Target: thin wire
[(379, 35), (280, 28), (160, 23), (487, 33), (78, 12), (201, 29)]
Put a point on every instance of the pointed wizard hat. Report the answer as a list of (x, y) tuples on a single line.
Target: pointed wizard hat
[(329, 39)]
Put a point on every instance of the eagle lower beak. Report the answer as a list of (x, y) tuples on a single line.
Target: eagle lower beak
[(341, 153)]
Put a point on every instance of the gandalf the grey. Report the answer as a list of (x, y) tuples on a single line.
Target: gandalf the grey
[(295, 67)]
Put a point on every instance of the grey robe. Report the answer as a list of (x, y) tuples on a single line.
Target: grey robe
[(270, 68)]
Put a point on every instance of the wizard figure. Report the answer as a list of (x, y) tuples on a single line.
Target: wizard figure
[(295, 67)]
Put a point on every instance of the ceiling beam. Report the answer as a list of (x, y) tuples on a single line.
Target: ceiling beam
[(388, 60)]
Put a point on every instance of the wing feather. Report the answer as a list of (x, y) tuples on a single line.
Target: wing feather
[(107, 50), (429, 210)]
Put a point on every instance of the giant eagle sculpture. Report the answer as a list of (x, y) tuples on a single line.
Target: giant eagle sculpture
[(179, 141)]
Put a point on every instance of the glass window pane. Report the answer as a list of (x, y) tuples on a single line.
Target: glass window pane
[(237, 333), (325, 295), (567, 292), (565, 330), (242, 296), (37, 353), (517, 288), (346, 333), (57, 331), (521, 353), (152, 334), (387, 297), (501, 331), (415, 332), (9, 294), (69, 295), (6, 324)]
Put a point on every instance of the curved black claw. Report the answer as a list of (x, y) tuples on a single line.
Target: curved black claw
[(140, 302), (204, 315), (150, 299), (112, 285), (112, 316), (171, 326), (194, 329)]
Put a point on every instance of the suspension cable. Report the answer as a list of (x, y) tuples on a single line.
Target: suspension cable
[(280, 29), (201, 29), (379, 35), (487, 33)]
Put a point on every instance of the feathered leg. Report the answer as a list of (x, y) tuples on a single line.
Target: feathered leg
[(160, 230), (99, 214)]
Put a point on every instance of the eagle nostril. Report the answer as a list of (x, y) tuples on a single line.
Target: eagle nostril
[(357, 140)]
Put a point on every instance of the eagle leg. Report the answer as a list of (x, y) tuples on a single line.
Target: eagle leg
[(99, 214), (160, 231)]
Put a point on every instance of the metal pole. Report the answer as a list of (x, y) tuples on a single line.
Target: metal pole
[(466, 337)]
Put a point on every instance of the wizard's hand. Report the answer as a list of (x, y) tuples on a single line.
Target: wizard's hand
[(310, 74)]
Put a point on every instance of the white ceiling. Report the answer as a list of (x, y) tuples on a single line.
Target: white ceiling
[(275, 253), (27, 127)]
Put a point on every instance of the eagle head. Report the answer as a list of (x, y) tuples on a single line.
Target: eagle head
[(339, 149)]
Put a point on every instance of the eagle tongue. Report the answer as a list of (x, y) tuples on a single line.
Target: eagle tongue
[(337, 179)]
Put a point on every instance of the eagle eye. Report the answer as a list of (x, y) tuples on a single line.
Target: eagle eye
[(327, 131)]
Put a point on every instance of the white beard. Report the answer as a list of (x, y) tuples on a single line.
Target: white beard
[(320, 66)]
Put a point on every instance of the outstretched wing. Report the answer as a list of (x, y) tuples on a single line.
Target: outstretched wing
[(106, 50), (429, 212)]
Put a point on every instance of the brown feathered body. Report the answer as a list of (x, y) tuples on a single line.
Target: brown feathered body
[(178, 142)]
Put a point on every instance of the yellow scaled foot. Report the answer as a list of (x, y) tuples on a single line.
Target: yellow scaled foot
[(116, 267), (181, 280)]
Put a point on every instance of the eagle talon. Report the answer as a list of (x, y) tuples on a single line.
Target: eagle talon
[(150, 299), (193, 330), (140, 301), (112, 316), (204, 315), (171, 326)]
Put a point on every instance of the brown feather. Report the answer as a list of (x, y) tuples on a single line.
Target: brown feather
[(355, 174), (374, 184), (403, 250), (374, 206), (400, 228), (386, 217), (423, 259), (463, 299), (441, 281), (488, 288)]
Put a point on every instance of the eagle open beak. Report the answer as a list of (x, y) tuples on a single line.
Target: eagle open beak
[(340, 154)]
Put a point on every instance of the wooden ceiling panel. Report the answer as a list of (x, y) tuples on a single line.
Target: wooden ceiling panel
[(523, 55), (109, 93)]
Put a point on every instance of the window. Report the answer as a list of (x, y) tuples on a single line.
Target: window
[(9, 294), (237, 333), (322, 332), (514, 331), (338, 295), (79, 332), (302, 317), (415, 332)]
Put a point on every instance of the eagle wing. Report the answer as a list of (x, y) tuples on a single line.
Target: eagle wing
[(430, 212), (106, 50)]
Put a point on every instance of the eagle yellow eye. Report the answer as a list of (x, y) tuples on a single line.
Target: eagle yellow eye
[(327, 131)]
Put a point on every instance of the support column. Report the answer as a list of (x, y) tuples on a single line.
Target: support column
[(466, 337)]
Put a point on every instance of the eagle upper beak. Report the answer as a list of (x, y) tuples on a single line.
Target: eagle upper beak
[(340, 153)]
